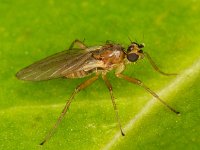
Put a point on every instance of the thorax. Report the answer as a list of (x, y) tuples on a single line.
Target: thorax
[(110, 55), (104, 58)]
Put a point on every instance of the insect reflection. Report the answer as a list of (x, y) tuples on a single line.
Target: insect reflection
[(85, 61)]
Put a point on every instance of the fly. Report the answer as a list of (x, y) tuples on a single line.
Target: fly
[(90, 61)]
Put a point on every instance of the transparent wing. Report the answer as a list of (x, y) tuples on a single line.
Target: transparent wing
[(53, 66)]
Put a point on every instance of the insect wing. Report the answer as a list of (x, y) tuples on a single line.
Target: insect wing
[(53, 66)]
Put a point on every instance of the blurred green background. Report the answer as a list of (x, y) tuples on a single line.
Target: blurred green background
[(31, 30)]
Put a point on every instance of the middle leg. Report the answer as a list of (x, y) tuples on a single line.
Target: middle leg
[(109, 86)]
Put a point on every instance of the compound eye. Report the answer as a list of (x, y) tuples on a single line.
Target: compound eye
[(132, 57)]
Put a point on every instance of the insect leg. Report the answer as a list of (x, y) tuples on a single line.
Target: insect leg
[(78, 43), (140, 83), (109, 86), (155, 66), (77, 89)]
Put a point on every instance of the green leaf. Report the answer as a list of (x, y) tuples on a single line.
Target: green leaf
[(158, 130), (31, 30)]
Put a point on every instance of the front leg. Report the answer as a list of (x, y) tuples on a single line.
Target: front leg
[(78, 43), (140, 83), (155, 67)]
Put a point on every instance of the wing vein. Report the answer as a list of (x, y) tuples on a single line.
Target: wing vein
[(42, 74)]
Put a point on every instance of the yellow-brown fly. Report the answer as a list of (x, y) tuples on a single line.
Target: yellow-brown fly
[(95, 61)]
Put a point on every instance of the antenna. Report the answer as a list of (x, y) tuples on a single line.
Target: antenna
[(130, 39)]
